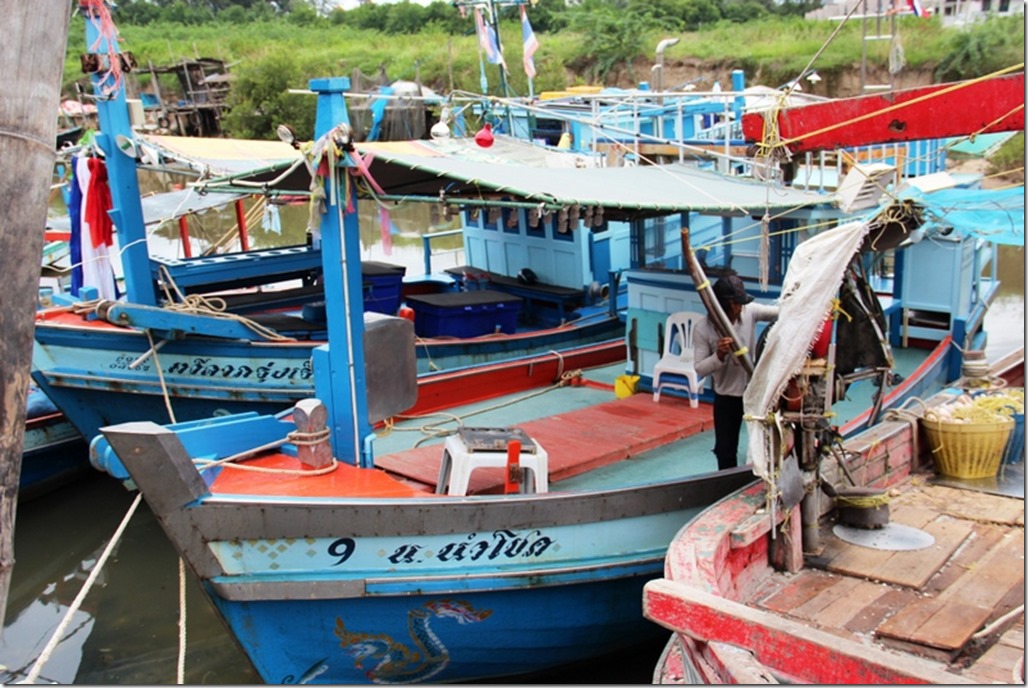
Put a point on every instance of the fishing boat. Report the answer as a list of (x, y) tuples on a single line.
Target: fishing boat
[(527, 528), (53, 452), (545, 263), (910, 571), (800, 577)]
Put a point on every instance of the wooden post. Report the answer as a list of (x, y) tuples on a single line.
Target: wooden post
[(31, 59), (183, 235), (311, 418), (244, 236), (512, 483)]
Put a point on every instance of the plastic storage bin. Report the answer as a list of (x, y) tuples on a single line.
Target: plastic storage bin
[(1015, 445), (464, 314), (383, 284)]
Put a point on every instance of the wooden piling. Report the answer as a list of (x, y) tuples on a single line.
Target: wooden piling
[(32, 61)]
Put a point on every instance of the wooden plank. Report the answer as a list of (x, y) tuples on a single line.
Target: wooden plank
[(969, 504), (952, 625), (914, 568), (801, 588), (846, 607), (933, 623), (996, 573), (576, 441), (804, 652), (871, 616), (815, 606), (911, 568), (984, 537)]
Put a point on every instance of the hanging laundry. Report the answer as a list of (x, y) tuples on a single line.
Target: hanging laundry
[(97, 230)]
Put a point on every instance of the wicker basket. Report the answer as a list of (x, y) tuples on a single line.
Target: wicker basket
[(967, 450)]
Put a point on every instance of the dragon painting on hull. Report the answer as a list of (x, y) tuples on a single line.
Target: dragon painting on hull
[(396, 662)]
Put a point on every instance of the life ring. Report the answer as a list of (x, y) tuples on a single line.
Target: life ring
[(163, 122)]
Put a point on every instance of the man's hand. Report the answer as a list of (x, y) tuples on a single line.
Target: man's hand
[(724, 347)]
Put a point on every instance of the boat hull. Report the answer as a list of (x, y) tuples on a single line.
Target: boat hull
[(402, 639), (54, 454), (729, 626), (369, 589), (102, 375)]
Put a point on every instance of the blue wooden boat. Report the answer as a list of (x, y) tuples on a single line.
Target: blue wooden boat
[(545, 269), (378, 570), (53, 452)]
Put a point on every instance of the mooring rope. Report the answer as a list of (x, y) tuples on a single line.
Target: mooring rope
[(56, 638), (432, 431)]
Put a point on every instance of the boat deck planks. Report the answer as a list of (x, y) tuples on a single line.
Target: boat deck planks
[(972, 576), (576, 441), (912, 569)]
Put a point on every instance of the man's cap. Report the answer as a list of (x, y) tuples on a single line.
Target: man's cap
[(730, 288)]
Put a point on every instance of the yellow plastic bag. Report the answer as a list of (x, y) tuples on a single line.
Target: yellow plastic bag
[(624, 386)]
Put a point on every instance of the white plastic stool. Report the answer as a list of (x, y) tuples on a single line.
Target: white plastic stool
[(473, 448)]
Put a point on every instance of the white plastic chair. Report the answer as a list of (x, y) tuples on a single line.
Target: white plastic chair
[(677, 359)]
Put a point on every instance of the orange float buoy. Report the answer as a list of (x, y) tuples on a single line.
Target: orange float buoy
[(406, 312)]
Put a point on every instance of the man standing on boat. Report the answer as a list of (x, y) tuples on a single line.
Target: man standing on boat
[(714, 357)]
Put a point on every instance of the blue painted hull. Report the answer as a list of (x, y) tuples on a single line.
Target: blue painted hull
[(87, 371), (398, 640), (54, 455)]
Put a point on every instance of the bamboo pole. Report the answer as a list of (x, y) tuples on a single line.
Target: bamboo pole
[(31, 59), (717, 316)]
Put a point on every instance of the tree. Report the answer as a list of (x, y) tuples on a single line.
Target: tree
[(612, 36), (260, 98), (405, 18)]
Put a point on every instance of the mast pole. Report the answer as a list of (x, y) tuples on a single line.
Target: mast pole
[(32, 58)]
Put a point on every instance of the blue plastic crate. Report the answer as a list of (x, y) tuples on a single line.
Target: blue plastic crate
[(383, 285), (464, 314), (1014, 453)]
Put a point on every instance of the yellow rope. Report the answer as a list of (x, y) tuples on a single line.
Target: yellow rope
[(863, 501), (432, 431)]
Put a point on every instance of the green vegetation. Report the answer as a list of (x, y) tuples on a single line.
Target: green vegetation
[(1008, 161), (276, 47)]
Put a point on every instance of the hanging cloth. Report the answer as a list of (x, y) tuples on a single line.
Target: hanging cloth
[(97, 229), (75, 215)]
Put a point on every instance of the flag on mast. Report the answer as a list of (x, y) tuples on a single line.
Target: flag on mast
[(918, 8), (487, 39), (531, 44)]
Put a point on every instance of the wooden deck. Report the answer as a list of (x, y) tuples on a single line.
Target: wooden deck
[(933, 603), (576, 441)]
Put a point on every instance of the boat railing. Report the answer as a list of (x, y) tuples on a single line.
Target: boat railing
[(426, 246)]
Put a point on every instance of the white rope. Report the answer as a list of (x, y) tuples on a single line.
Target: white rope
[(180, 670), (44, 656)]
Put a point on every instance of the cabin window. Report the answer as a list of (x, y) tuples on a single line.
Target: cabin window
[(491, 218), (561, 227), (512, 220), (540, 220)]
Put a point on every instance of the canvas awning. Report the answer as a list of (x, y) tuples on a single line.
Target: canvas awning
[(456, 169), (165, 207), (453, 170)]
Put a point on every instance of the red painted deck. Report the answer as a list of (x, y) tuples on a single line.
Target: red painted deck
[(576, 441)]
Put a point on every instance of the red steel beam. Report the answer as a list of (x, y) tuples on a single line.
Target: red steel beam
[(930, 112)]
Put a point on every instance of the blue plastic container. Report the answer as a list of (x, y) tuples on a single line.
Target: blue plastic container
[(1014, 453), (383, 284), (464, 314)]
